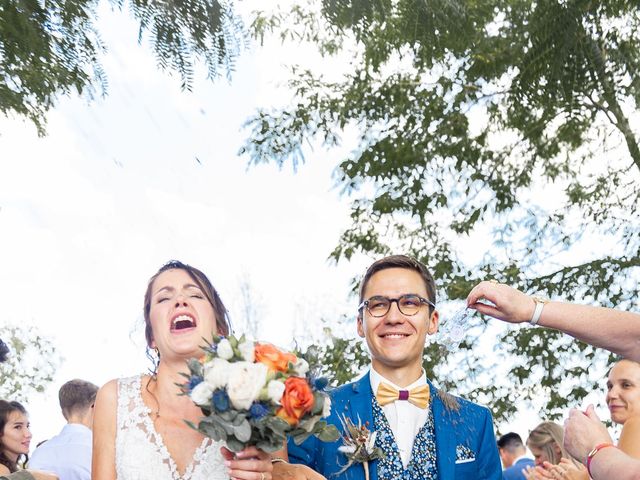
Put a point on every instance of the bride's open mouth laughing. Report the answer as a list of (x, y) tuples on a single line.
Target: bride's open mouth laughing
[(183, 321)]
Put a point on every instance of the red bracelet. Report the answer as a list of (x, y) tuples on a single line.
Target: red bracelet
[(593, 452)]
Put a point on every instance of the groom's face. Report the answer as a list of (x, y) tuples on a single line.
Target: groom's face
[(396, 341)]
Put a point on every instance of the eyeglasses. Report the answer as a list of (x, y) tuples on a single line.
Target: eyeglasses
[(409, 304)]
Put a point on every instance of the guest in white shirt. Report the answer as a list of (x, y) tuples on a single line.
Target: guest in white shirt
[(514, 458), (68, 454)]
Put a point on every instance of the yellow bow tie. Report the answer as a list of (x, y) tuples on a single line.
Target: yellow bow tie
[(419, 396)]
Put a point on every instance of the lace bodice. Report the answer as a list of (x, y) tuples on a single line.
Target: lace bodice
[(140, 452)]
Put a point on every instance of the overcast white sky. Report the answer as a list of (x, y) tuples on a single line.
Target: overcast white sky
[(89, 212)]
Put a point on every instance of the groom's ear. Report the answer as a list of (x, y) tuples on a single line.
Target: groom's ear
[(359, 325), (434, 320)]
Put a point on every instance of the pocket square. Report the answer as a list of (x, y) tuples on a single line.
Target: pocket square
[(464, 454)]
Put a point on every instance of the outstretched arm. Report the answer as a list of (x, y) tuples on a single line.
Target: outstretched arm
[(582, 432), (614, 330)]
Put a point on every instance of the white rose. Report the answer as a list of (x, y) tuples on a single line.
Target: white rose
[(301, 367), (245, 382), (224, 349), (201, 394), (216, 373), (326, 407), (275, 390), (247, 351)]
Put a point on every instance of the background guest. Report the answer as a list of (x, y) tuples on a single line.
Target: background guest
[(623, 400), (15, 436), (4, 469), (546, 444), (514, 458), (68, 454)]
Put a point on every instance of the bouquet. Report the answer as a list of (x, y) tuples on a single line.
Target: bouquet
[(254, 394)]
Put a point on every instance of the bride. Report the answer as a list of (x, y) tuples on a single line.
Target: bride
[(139, 429)]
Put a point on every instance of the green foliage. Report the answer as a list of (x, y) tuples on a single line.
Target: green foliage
[(53, 48), (471, 117), (31, 364), (340, 359)]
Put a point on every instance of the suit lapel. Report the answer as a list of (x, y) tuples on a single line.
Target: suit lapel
[(360, 410), (445, 438)]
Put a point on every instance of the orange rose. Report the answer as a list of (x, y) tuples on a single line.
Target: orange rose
[(272, 357), (296, 400)]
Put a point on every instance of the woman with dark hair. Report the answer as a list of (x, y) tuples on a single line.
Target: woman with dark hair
[(15, 436), (139, 423), (9, 430)]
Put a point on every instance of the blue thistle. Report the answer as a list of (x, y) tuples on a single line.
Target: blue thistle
[(258, 410), (220, 401), (194, 381), (320, 383)]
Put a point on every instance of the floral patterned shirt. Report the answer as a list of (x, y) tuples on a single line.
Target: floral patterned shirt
[(422, 465)]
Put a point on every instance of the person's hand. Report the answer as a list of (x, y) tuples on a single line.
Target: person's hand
[(290, 471), (249, 464), (582, 432), (509, 304), (40, 475), (535, 473), (566, 470)]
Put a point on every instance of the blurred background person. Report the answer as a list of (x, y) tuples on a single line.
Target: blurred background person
[(15, 439), (4, 469), (15, 436), (68, 454), (546, 444), (514, 458), (623, 400)]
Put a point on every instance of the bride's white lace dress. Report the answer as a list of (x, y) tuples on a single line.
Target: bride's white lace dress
[(140, 452)]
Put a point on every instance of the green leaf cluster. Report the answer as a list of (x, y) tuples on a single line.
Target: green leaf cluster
[(53, 48), (31, 364), (470, 117)]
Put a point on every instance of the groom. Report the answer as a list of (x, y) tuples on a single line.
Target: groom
[(424, 433)]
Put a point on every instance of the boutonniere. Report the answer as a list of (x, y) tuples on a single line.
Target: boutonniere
[(359, 445)]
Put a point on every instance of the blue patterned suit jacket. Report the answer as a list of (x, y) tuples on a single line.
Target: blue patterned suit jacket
[(470, 426)]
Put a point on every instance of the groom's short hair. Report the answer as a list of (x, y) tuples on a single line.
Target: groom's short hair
[(400, 261)]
